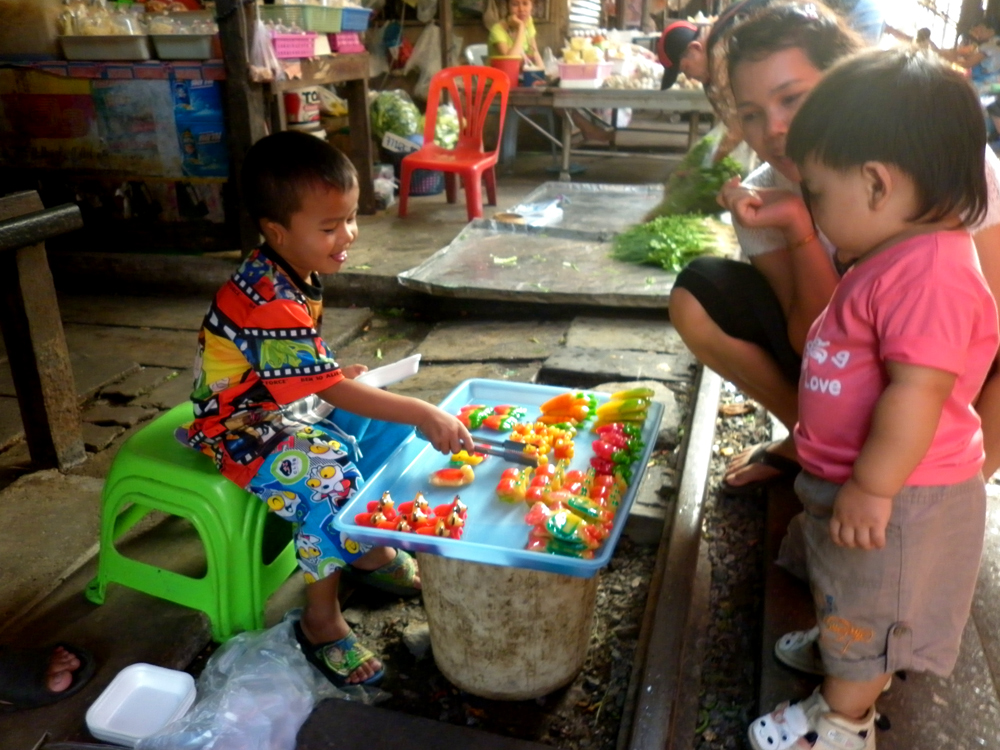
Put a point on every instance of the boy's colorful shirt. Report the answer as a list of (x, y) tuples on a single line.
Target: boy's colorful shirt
[(259, 350)]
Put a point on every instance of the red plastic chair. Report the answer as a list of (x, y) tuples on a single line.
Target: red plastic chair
[(471, 89)]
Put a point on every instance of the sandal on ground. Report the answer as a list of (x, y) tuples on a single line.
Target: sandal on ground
[(397, 577), (24, 676), (810, 725), (786, 468), (337, 660), (799, 650)]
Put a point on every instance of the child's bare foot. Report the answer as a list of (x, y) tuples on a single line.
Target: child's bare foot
[(336, 651), (62, 664)]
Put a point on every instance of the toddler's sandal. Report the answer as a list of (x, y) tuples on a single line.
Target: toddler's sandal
[(337, 660), (809, 725), (799, 650)]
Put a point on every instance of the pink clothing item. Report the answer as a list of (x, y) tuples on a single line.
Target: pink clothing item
[(922, 302)]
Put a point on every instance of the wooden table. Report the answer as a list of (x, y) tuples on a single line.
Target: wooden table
[(351, 70), (690, 101)]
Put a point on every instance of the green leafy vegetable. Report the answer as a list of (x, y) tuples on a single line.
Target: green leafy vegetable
[(692, 186), (393, 112), (670, 242), (446, 126)]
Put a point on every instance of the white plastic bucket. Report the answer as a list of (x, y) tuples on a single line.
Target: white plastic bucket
[(506, 633), (312, 128)]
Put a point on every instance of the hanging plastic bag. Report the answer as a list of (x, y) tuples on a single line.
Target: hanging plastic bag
[(254, 694), (491, 14), (264, 65), (426, 10), (426, 57), (378, 53)]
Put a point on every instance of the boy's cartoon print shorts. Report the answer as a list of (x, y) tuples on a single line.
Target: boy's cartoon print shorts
[(307, 480)]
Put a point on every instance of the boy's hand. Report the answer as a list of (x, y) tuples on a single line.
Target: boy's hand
[(444, 431), (352, 371), (859, 517)]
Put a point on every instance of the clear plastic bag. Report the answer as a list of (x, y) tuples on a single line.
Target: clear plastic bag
[(264, 65), (254, 694), (427, 57)]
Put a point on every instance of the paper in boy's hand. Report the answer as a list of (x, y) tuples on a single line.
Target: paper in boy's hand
[(380, 377)]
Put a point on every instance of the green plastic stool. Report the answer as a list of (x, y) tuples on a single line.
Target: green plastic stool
[(154, 471)]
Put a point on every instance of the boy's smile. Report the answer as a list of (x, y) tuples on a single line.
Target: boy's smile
[(319, 233)]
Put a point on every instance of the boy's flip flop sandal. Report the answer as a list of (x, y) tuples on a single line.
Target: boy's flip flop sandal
[(787, 468), (337, 660), (397, 577), (24, 674)]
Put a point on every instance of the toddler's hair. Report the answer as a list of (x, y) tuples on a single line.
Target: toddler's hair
[(819, 32), (902, 107), (279, 167)]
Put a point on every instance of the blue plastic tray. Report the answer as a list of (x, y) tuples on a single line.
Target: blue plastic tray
[(495, 531)]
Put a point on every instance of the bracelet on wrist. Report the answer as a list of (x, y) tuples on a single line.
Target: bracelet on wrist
[(803, 242)]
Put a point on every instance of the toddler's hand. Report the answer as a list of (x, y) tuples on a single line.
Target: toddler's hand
[(859, 517), (352, 371), (444, 431)]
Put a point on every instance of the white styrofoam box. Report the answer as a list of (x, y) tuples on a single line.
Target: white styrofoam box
[(141, 700), (380, 377)]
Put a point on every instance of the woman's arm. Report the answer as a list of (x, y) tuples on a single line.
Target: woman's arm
[(801, 274), (903, 424), (516, 47)]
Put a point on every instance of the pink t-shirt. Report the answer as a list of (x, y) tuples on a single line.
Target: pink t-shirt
[(922, 302)]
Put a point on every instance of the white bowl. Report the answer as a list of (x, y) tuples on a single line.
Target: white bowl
[(140, 701)]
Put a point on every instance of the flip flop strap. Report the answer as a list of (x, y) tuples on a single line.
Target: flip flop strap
[(344, 656), (400, 570)]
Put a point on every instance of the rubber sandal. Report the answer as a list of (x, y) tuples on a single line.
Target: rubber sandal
[(24, 671), (337, 659), (396, 577), (787, 468), (810, 724)]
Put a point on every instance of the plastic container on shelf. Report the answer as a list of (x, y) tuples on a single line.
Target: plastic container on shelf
[(110, 47), (183, 46), (294, 45), (346, 41), (583, 75), (140, 701), (354, 19)]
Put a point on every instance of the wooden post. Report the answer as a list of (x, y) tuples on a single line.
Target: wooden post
[(444, 13), (36, 348), (245, 111)]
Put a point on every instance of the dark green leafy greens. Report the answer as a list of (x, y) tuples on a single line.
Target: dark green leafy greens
[(670, 242), (692, 187)]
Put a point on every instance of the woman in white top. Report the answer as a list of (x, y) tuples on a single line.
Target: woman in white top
[(748, 321)]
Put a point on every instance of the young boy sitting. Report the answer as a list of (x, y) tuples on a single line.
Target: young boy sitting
[(265, 382), (890, 146)]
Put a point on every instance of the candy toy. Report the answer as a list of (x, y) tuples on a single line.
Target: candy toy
[(500, 418), (447, 519), (564, 526), (453, 477), (513, 485), (571, 407), (625, 406), (464, 457), (556, 547)]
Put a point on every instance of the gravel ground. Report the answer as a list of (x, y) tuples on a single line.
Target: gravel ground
[(733, 528)]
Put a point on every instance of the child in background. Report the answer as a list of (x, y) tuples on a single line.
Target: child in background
[(265, 382), (515, 35), (890, 445)]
